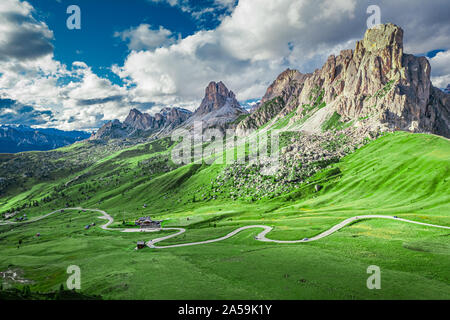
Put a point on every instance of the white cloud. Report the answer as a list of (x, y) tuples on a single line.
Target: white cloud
[(216, 9), (247, 50), (440, 69), (144, 37), (21, 36), (440, 63), (68, 98)]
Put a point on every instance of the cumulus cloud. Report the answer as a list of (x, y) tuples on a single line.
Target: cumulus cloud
[(440, 69), (21, 36), (13, 112), (144, 37), (201, 10), (247, 50), (77, 97), (37, 89)]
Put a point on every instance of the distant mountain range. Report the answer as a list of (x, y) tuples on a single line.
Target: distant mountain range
[(138, 124), (18, 138)]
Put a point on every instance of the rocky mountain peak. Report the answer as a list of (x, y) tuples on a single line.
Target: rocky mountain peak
[(285, 84), (377, 82), (216, 96), (218, 88), (218, 107), (279, 96), (381, 37), (135, 111), (138, 120), (138, 123)]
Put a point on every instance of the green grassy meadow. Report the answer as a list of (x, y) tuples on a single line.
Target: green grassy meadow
[(400, 174)]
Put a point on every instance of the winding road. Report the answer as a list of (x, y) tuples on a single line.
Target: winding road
[(260, 236)]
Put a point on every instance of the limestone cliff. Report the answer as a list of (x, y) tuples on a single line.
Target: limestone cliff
[(218, 108), (377, 81)]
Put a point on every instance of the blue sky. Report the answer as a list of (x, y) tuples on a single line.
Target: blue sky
[(95, 43), (149, 54)]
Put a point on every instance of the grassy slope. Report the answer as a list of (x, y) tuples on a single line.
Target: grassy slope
[(402, 174)]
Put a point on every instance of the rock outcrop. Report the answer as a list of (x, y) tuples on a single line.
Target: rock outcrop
[(138, 124), (218, 108), (280, 95), (377, 81)]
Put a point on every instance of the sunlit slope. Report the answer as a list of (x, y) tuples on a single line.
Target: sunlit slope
[(397, 173)]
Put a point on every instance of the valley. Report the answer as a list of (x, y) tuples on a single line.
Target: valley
[(413, 258)]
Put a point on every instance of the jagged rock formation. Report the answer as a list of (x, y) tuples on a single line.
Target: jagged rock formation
[(218, 108), (279, 95), (376, 81), (167, 118), (216, 96), (138, 123), (111, 130)]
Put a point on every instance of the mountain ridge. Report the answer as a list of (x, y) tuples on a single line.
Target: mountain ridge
[(137, 123), (218, 108), (19, 138)]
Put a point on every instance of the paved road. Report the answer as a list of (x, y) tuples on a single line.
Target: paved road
[(260, 236)]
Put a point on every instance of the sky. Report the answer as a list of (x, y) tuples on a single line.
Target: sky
[(149, 54)]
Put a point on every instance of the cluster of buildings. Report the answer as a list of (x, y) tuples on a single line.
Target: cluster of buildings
[(147, 222)]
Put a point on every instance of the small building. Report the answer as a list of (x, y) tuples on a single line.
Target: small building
[(147, 222), (87, 227), (140, 244)]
